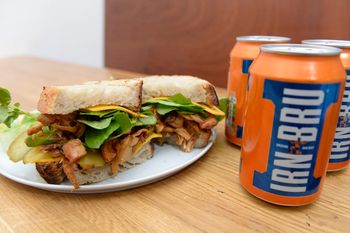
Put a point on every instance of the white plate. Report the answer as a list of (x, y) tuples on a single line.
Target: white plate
[(166, 161)]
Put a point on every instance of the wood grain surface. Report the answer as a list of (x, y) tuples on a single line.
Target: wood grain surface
[(195, 36), (205, 197)]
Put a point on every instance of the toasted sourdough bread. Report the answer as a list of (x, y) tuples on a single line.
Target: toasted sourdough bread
[(67, 99), (53, 172), (196, 89)]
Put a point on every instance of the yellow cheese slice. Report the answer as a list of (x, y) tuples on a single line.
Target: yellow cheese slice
[(160, 98), (140, 144), (102, 107), (212, 109)]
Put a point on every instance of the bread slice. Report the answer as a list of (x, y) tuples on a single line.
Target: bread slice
[(67, 99), (198, 90), (53, 173)]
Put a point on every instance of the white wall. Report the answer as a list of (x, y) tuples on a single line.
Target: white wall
[(65, 30)]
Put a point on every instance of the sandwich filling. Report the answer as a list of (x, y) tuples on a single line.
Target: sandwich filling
[(88, 138), (183, 122)]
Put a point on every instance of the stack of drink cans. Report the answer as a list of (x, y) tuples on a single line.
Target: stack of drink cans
[(289, 110)]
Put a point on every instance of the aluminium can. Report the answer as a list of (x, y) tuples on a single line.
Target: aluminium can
[(292, 110), (340, 154), (242, 55)]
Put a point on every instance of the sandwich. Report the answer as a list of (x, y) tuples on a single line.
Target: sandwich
[(88, 132), (185, 108)]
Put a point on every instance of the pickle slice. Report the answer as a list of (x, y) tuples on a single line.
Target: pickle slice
[(91, 159), (18, 148), (37, 155)]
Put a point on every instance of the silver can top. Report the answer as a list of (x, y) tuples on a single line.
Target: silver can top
[(343, 44), (263, 38), (300, 49)]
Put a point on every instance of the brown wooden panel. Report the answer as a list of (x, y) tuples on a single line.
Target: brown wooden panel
[(195, 36)]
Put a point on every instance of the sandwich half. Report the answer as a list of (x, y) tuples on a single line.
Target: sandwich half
[(87, 132), (185, 108)]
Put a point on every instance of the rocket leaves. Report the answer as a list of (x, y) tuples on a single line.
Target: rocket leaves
[(177, 102), (5, 97), (97, 124), (95, 138), (8, 113), (99, 130), (149, 120), (164, 109), (180, 99), (223, 104)]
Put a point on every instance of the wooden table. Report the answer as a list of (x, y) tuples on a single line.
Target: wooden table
[(205, 197)]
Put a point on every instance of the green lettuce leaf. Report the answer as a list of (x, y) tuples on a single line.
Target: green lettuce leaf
[(164, 109), (97, 124), (100, 114), (125, 123), (180, 99), (177, 102), (95, 138), (5, 97), (45, 137), (223, 104), (145, 108), (3, 113), (12, 115), (164, 102), (144, 121), (8, 114), (192, 109), (120, 124), (7, 135)]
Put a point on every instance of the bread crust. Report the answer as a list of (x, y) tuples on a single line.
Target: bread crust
[(67, 99), (53, 172), (212, 97), (196, 89), (98, 174), (172, 138)]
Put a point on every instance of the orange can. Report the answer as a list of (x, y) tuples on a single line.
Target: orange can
[(340, 154), (293, 103), (242, 55)]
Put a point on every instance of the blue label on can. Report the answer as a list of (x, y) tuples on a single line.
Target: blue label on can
[(239, 131), (245, 70), (245, 65), (341, 145), (299, 116)]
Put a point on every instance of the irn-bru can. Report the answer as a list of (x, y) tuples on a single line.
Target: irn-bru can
[(340, 154), (242, 55), (294, 98)]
